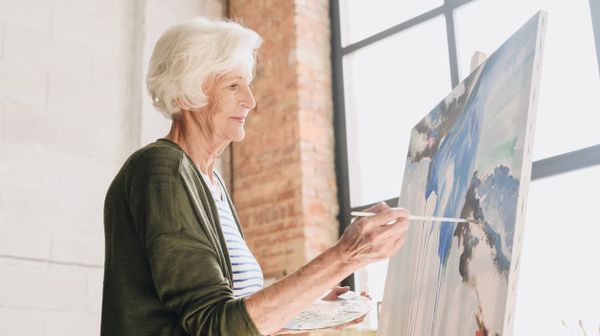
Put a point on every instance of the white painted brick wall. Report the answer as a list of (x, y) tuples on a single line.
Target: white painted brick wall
[(23, 241), (77, 247), (1, 40), (71, 94), (30, 14), (2, 120), (23, 322), (22, 84), (94, 290), (65, 133), (39, 51), (72, 323)]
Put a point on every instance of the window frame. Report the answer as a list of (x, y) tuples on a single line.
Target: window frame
[(544, 168)]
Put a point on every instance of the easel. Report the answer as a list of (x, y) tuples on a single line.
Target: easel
[(478, 58)]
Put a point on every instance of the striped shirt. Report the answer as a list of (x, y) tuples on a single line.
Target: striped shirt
[(247, 274)]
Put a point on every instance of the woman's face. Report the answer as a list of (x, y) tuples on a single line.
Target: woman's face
[(233, 102)]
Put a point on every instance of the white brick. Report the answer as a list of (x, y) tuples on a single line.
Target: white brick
[(21, 84), (72, 134), (18, 160), (82, 213), (74, 24), (106, 104), (48, 54), (70, 95), (95, 279), (112, 67), (31, 14), (84, 248), (67, 286), (2, 120), (32, 284), (79, 186), (24, 284), (26, 125), (100, 35), (68, 193), (1, 41), (16, 240), (112, 142), (153, 125), (72, 324), (83, 7), (116, 11), (112, 105), (70, 211), (22, 322), (28, 207)]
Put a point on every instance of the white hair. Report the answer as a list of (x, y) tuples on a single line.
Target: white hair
[(189, 53)]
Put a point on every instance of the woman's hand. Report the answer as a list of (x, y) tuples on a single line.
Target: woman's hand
[(370, 239), (366, 240), (337, 291), (331, 296)]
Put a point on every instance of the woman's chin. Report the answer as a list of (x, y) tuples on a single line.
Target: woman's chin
[(238, 136)]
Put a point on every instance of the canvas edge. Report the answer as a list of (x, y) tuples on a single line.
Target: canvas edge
[(509, 312)]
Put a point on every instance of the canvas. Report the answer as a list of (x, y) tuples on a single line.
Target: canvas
[(470, 157)]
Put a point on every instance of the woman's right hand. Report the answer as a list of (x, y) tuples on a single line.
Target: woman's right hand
[(370, 239)]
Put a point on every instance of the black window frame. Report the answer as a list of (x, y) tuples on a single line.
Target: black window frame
[(551, 166)]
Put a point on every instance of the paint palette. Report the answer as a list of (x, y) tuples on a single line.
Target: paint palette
[(326, 314)]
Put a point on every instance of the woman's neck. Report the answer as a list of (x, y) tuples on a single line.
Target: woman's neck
[(202, 148)]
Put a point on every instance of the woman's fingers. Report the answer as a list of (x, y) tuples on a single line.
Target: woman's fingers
[(390, 215), (335, 292), (370, 239), (341, 290), (378, 207)]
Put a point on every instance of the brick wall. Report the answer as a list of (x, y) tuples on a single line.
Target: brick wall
[(283, 172), (72, 107)]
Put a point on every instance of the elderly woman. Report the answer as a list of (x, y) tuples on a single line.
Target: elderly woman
[(176, 261)]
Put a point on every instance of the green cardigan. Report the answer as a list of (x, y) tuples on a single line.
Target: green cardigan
[(167, 270)]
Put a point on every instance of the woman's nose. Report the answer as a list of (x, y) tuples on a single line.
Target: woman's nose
[(248, 101)]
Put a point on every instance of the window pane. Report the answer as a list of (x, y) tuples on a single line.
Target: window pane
[(389, 87), (361, 19), (570, 85), (559, 274)]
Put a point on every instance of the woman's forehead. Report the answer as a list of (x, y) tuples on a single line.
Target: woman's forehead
[(238, 73), (241, 75)]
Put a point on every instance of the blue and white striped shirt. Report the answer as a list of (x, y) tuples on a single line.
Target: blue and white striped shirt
[(247, 274)]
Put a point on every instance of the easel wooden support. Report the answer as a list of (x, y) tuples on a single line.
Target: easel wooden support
[(478, 58)]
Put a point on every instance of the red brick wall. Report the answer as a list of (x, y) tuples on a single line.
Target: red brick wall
[(284, 185)]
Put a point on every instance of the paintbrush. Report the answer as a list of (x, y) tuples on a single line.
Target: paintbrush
[(421, 218)]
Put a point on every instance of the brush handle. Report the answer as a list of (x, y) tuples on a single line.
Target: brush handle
[(416, 218), (438, 219)]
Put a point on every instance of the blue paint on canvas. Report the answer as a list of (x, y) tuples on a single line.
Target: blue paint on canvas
[(466, 159)]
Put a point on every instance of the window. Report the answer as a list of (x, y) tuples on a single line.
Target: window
[(394, 61)]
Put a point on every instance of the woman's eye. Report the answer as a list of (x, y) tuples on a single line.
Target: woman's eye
[(233, 86)]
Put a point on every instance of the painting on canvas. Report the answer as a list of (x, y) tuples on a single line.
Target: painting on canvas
[(470, 157)]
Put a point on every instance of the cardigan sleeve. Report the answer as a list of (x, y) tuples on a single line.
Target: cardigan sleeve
[(184, 265)]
